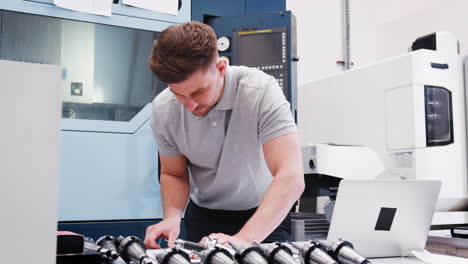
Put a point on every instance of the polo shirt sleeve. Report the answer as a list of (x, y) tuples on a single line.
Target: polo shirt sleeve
[(164, 141), (275, 118)]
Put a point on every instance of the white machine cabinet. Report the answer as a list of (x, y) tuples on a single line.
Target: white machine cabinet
[(410, 109), (29, 159)]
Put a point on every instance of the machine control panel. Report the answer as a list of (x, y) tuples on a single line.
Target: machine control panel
[(266, 42), (265, 50)]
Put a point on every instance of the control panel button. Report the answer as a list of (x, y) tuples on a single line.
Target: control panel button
[(223, 43)]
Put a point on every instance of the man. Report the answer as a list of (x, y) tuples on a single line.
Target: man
[(226, 139)]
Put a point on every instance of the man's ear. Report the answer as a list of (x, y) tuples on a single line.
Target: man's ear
[(221, 65)]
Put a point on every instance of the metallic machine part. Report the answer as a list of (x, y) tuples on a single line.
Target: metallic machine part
[(249, 254), (173, 256), (132, 248), (278, 253), (217, 255), (343, 251), (311, 253), (183, 244), (110, 243), (105, 252)]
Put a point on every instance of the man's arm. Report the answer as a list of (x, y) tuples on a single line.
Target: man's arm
[(174, 185), (175, 191), (284, 160)]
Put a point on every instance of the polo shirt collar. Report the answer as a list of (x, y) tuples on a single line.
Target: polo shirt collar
[(229, 93)]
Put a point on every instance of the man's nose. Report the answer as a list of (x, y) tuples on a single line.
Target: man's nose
[(191, 104)]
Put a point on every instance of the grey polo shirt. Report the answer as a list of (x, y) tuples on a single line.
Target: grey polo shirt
[(224, 148)]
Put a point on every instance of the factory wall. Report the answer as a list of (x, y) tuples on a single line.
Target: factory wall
[(379, 29), (394, 34), (319, 37)]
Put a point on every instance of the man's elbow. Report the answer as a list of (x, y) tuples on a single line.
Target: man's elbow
[(299, 186), (296, 185)]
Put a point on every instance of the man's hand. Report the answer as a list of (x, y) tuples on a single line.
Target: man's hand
[(175, 190), (223, 239), (168, 228)]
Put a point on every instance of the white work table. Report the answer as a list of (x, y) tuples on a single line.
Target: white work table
[(438, 259), (408, 260)]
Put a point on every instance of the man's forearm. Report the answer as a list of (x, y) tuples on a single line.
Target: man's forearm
[(282, 193), (174, 193)]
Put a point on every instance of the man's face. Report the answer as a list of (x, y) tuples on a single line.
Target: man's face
[(202, 90)]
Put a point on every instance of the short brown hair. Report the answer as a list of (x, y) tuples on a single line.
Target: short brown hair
[(181, 50)]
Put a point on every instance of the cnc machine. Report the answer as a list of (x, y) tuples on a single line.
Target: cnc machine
[(410, 109)]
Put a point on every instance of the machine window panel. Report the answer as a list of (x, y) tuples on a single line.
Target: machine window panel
[(106, 74), (439, 120)]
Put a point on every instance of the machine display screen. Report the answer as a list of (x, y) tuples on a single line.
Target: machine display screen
[(260, 49)]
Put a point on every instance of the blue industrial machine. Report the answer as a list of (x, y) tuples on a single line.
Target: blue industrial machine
[(109, 169), (204, 9), (108, 176), (266, 41)]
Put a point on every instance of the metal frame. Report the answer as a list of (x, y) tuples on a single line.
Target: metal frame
[(123, 16)]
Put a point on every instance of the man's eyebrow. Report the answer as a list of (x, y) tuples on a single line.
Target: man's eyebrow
[(191, 93), (198, 90)]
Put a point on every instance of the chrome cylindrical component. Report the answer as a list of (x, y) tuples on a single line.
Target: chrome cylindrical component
[(173, 256), (250, 254), (110, 243), (311, 253), (344, 252), (105, 252), (217, 255), (278, 253), (132, 249)]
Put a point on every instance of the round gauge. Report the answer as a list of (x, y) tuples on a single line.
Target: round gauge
[(223, 43)]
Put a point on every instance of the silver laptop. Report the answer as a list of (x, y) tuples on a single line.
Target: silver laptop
[(384, 218)]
